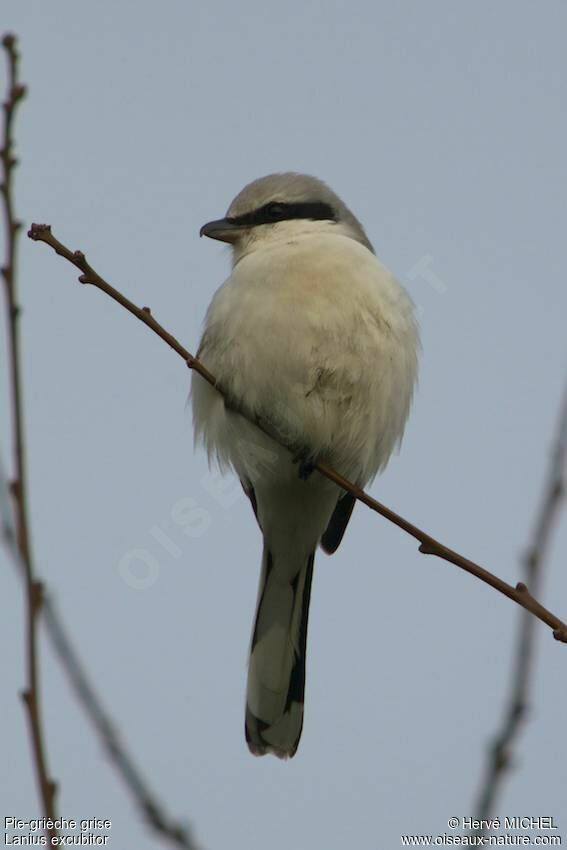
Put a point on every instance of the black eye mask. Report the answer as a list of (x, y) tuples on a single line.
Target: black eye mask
[(279, 211)]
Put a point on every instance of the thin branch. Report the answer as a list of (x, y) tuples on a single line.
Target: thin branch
[(16, 538), (179, 835), (428, 545), (34, 589), (499, 757), (14, 533)]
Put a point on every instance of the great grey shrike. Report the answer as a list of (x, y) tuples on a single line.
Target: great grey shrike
[(312, 334)]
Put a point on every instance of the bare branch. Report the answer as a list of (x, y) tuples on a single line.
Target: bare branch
[(15, 535), (17, 541), (154, 813), (428, 545), (34, 590), (499, 758), (177, 834)]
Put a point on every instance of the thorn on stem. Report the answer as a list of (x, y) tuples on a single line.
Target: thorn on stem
[(27, 698), (519, 711), (37, 595), (147, 310), (501, 757), (52, 788)]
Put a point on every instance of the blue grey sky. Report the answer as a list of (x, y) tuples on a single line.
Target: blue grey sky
[(443, 126)]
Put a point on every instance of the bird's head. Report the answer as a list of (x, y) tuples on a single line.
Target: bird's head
[(283, 206)]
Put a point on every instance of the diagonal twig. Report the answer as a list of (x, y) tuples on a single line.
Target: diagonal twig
[(178, 834), (428, 544), (34, 589), (499, 756)]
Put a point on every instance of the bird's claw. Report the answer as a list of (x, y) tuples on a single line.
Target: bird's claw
[(305, 464)]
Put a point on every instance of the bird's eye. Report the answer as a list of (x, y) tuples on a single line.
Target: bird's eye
[(275, 211)]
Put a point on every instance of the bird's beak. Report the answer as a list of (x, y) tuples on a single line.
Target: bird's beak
[(223, 229)]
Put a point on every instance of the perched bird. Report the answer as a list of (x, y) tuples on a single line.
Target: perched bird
[(313, 336)]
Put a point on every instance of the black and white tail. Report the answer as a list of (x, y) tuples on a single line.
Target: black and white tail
[(276, 673)]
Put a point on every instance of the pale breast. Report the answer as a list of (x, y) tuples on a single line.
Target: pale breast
[(318, 335)]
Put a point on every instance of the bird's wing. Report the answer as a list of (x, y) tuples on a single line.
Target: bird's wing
[(331, 539)]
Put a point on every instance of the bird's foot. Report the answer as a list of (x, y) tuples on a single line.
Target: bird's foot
[(305, 464)]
